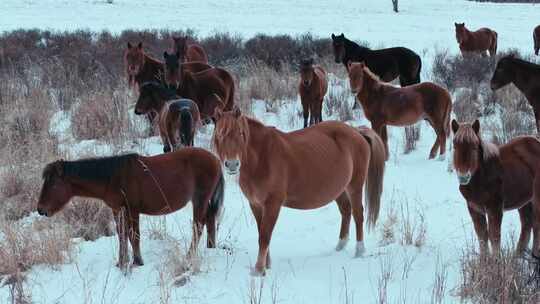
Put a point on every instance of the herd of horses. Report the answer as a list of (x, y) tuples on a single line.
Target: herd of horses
[(307, 168)]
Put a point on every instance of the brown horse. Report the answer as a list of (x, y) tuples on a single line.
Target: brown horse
[(189, 51), (173, 68), (210, 88), (385, 104), (480, 41), (312, 88), (536, 39), (179, 119), (133, 184), (140, 67), (524, 75), (304, 169), (495, 179)]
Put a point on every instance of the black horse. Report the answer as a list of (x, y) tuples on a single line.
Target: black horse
[(388, 64)]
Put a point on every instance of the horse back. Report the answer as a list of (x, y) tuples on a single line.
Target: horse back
[(196, 53), (389, 63), (195, 67)]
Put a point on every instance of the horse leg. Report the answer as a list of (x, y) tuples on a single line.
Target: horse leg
[(210, 230), (344, 206), (319, 110), (384, 136), (480, 227), (435, 146), (537, 120), (355, 197), (312, 114), (270, 212), (305, 112), (135, 238), (121, 230), (526, 217), (536, 218), (494, 230), (200, 209), (257, 211)]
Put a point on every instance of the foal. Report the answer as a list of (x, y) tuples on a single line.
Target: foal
[(133, 184), (312, 88), (385, 104), (304, 169), (179, 119), (480, 41), (525, 76), (189, 52), (140, 67), (495, 179)]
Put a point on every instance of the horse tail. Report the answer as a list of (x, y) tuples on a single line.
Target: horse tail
[(374, 181), (447, 114), (216, 201), (186, 124), (417, 76), (493, 48)]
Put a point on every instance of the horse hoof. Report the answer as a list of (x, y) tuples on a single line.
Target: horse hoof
[(341, 244), (360, 250), (138, 262), (442, 157), (257, 273)]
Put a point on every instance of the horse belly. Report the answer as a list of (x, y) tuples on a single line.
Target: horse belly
[(517, 188)]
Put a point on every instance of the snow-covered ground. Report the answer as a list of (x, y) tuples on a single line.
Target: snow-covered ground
[(305, 267)]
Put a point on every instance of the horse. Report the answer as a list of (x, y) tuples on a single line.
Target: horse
[(178, 118), (536, 39), (385, 104), (211, 88), (189, 52), (496, 179), (173, 67), (313, 87), (480, 41), (132, 184), (303, 169), (524, 75), (141, 67), (388, 64)]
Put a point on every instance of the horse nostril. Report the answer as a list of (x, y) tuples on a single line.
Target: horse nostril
[(41, 212)]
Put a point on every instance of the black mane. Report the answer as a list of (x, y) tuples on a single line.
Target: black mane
[(523, 63), (94, 169)]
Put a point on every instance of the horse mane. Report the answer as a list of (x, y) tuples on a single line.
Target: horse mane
[(375, 81), (489, 150), (93, 169), (522, 63), (353, 45)]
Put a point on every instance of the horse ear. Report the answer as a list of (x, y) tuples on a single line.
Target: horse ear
[(476, 127), (333, 36), (455, 126), (342, 36), (165, 55), (139, 46), (129, 45), (237, 112)]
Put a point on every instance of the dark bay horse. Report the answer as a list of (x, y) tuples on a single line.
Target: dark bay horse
[(173, 68), (524, 75), (141, 67), (480, 41), (132, 184), (178, 118), (312, 89), (536, 39), (210, 88), (385, 104), (495, 179), (304, 169), (388, 63), (189, 51)]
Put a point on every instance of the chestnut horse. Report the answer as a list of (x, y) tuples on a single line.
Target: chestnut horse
[(385, 104), (536, 39), (188, 51), (304, 169), (480, 41), (132, 184), (140, 67), (524, 75), (495, 179), (312, 88), (210, 88), (179, 119)]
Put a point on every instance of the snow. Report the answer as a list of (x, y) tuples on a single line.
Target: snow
[(305, 267)]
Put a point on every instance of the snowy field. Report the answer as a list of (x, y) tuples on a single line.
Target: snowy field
[(305, 267)]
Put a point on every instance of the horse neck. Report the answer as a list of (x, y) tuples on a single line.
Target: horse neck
[(187, 84), (369, 89), (151, 67), (256, 142), (352, 48), (85, 188), (521, 76)]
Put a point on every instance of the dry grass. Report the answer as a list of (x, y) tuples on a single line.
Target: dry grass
[(88, 219), (338, 100), (499, 279)]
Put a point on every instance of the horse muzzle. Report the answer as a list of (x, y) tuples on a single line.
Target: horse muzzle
[(42, 212), (232, 166), (464, 179)]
